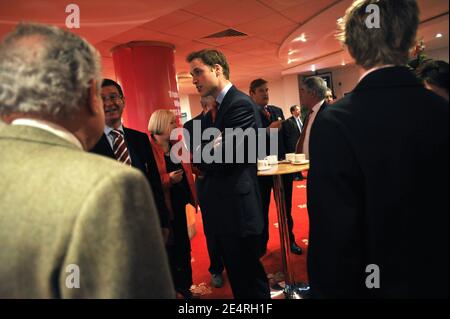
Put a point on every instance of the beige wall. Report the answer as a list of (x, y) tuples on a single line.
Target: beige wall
[(439, 54), (284, 93)]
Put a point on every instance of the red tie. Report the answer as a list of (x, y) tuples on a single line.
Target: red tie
[(267, 113), (120, 148), (214, 111), (301, 140)]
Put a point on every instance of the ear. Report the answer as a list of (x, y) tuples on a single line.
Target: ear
[(95, 104), (218, 69)]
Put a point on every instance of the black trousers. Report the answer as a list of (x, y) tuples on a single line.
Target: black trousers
[(266, 186), (245, 272), (215, 256), (179, 249)]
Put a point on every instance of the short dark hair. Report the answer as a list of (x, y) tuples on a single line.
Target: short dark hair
[(211, 57), (109, 82), (293, 107), (256, 84), (434, 72), (388, 44)]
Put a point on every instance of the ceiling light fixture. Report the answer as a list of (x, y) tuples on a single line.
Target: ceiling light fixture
[(343, 63), (439, 35), (293, 60), (313, 68), (301, 38)]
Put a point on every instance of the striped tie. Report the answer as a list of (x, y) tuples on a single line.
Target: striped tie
[(120, 148)]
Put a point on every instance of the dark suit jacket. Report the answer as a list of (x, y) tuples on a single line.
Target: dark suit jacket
[(232, 201), (142, 158), (291, 134), (276, 113), (189, 127), (378, 191)]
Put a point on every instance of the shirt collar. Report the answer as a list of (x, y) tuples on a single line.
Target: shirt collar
[(108, 129), (49, 127), (317, 106), (222, 94)]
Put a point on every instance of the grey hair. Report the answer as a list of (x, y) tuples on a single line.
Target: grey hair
[(317, 85), (46, 71)]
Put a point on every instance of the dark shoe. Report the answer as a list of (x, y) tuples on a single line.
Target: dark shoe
[(187, 294), (217, 280), (295, 249)]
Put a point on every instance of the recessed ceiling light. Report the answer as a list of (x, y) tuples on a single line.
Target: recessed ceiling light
[(293, 60), (313, 68), (301, 38), (439, 35), (343, 63)]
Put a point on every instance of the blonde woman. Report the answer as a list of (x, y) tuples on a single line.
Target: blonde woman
[(179, 190)]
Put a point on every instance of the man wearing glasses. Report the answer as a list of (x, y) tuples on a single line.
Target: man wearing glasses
[(129, 146)]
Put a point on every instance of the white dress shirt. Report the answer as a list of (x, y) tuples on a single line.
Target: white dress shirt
[(312, 117), (109, 137), (222, 94)]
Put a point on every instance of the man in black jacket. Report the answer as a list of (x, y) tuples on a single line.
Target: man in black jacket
[(291, 130), (373, 229), (135, 151), (233, 213), (272, 119)]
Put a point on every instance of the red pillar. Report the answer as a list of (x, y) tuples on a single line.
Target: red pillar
[(146, 72)]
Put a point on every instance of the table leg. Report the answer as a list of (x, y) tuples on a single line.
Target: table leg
[(291, 290)]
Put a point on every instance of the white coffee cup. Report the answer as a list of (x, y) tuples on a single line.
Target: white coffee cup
[(263, 164), (290, 157), (300, 158), (272, 159)]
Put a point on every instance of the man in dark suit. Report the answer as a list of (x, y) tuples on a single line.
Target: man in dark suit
[(373, 230), (137, 151), (272, 119), (313, 91), (233, 204), (215, 257), (291, 130)]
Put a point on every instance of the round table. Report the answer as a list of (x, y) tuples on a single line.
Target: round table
[(292, 289)]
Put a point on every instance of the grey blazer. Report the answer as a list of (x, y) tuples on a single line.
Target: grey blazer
[(59, 207)]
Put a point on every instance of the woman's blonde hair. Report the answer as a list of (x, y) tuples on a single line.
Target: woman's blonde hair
[(160, 121)]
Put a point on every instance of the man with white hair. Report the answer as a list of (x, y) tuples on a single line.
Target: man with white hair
[(313, 91), (72, 224)]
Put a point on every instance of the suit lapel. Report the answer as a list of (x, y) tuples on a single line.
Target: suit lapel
[(104, 147)]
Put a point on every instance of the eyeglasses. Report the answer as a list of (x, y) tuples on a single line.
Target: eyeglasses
[(112, 97)]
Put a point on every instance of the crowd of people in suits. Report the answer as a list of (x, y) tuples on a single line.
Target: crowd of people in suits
[(122, 222)]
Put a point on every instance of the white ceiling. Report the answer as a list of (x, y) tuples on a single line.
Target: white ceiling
[(271, 26)]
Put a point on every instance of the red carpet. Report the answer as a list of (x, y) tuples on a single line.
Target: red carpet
[(271, 261)]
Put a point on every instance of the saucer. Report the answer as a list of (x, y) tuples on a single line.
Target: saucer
[(264, 168), (300, 163)]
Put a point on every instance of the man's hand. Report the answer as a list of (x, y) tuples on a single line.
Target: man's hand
[(276, 124), (176, 176)]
